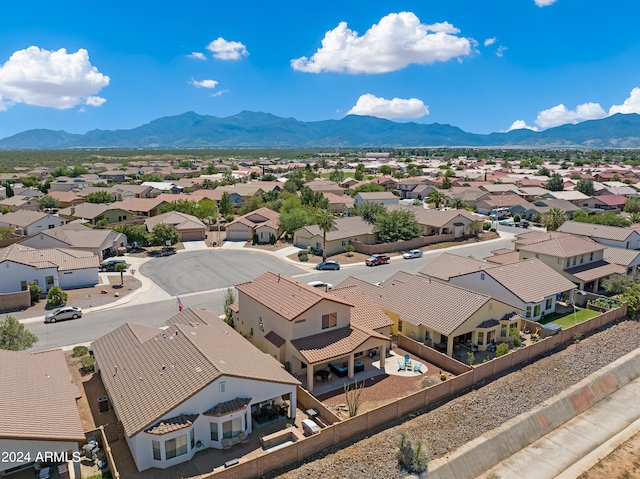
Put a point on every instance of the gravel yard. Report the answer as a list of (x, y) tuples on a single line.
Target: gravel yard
[(450, 426)]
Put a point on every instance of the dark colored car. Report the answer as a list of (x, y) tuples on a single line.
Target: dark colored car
[(328, 265), (376, 259)]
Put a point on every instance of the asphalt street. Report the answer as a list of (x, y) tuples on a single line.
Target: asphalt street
[(201, 278)]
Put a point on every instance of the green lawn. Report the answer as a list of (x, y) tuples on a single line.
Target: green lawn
[(568, 320)]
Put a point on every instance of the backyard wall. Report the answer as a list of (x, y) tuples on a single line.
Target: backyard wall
[(15, 301), (418, 242), (429, 397)]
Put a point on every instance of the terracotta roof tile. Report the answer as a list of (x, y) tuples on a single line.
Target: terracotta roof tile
[(448, 265), (227, 407), (592, 271), (274, 339), (596, 231), (563, 246), (172, 424), (332, 344), (366, 314)]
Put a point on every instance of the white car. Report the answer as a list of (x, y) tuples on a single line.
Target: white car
[(414, 253), (321, 285)]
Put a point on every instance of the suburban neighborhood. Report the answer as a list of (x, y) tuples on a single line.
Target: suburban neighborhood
[(225, 317)]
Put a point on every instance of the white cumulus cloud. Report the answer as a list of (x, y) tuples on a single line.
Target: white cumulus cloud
[(630, 105), (544, 3), (521, 125), (226, 50), (398, 40), (560, 115), (204, 83), (371, 105), (500, 51), (489, 41), (55, 79), (197, 55)]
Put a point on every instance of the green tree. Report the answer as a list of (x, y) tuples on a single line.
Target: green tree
[(349, 249), (48, 202), (324, 220), (120, 268), (229, 299), (385, 170), (293, 219), (502, 349), (397, 225), (14, 336), (162, 233), (585, 186), (226, 205), (458, 204), (555, 183), (35, 291), (446, 183), (6, 232), (632, 205), (30, 181), (544, 171), (8, 189), (553, 219), (436, 197), (251, 204), (368, 211), (336, 175), (56, 297), (617, 284), (366, 188), (137, 234), (99, 197), (313, 199)]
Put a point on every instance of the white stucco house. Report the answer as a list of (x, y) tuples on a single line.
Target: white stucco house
[(27, 223), (21, 265), (211, 388)]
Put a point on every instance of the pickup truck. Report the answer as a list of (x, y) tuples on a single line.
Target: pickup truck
[(376, 259)]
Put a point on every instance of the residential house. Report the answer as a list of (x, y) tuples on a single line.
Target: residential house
[(503, 256), (386, 182), (216, 195), (343, 231), (66, 198), (486, 204), (194, 385), (189, 227), (541, 207), (574, 196), (95, 212), (244, 191), (145, 207), (416, 305), (161, 186), (529, 285), (611, 203), (308, 329), (627, 238), (27, 223), (325, 186), (137, 191), (62, 267), (627, 258), (406, 186), (379, 197), (16, 203), (578, 259), (101, 242), (468, 194), (263, 222), (441, 222), (113, 176), (63, 183), (339, 204), (39, 410)]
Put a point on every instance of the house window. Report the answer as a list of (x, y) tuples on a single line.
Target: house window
[(193, 439), (344, 243), (156, 450), (399, 326), (232, 428), (329, 320), (568, 262), (49, 280), (23, 285), (214, 431), (548, 303), (536, 310), (503, 331), (53, 226), (581, 258), (176, 447), (261, 324), (528, 313), (223, 386), (481, 338), (482, 276), (575, 258), (591, 257)]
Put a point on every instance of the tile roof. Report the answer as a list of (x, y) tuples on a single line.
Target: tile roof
[(181, 221), (332, 344), (497, 201), (284, 295), (448, 265), (172, 424), (266, 216), (621, 256), (37, 397), (22, 218), (90, 210), (536, 237), (503, 258), (433, 217), (78, 235), (614, 233), (62, 258), (227, 407), (570, 195), (592, 271), (365, 314), (140, 204), (563, 246), (274, 339), (425, 306), (377, 195), (147, 376), (343, 228)]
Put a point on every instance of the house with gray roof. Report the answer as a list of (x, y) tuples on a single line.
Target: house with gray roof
[(380, 197), (189, 227), (193, 385), (343, 231), (27, 223), (617, 237), (628, 258)]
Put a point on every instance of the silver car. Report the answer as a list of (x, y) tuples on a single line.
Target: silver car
[(67, 312), (414, 253)]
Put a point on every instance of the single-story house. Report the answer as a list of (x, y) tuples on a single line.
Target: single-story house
[(325, 186), (574, 196), (342, 232), (244, 191), (62, 267), (39, 410), (210, 387), (487, 203), (628, 258), (380, 197), (627, 238), (17, 203), (263, 221), (543, 206), (340, 204), (95, 212), (189, 227), (66, 198), (612, 203), (27, 223), (142, 206), (441, 222)]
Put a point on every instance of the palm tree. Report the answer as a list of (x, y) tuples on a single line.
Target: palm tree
[(324, 220), (553, 219), (436, 197), (458, 204), (121, 267)]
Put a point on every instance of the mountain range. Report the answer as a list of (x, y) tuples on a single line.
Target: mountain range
[(250, 129)]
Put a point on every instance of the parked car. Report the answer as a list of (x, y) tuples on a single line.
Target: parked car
[(328, 265), (67, 312), (506, 223), (321, 285), (522, 224), (414, 253), (110, 264), (376, 259)]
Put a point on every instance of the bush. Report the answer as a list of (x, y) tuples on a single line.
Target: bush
[(88, 364), (443, 377), (302, 253), (349, 249), (35, 291), (272, 239), (413, 457), (254, 238), (486, 226), (79, 351), (516, 218), (493, 230), (229, 218), (471, 358), (56, 297), (502, 349), (304, 257)]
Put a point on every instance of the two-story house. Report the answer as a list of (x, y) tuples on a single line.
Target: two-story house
[(308, 329)]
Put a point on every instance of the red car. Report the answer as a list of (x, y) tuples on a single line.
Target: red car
[(376, 259)]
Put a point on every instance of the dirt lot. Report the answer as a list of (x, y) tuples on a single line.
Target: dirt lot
[(623, 463)]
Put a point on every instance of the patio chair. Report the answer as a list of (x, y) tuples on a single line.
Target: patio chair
[(226, 443), (417, 367), (407, 360), (243, 438), (401, 366)]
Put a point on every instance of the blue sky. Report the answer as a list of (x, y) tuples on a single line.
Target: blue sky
[(481, 65)]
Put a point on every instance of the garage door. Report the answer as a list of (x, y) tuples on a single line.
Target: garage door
[(192, 235)]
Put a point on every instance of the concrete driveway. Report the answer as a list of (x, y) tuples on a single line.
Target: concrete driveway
[(194, 271)]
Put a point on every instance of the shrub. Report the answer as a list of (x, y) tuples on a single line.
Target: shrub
[(272, 239), (56, 297), (35, 291), (486, 226), (79, 351), (254, 238), (88, 364), (349, 249), (516, 218), (493, 230), (502, 349), (471, 358), (413, 457), (443, 377), (229, 218), (303, 256)]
